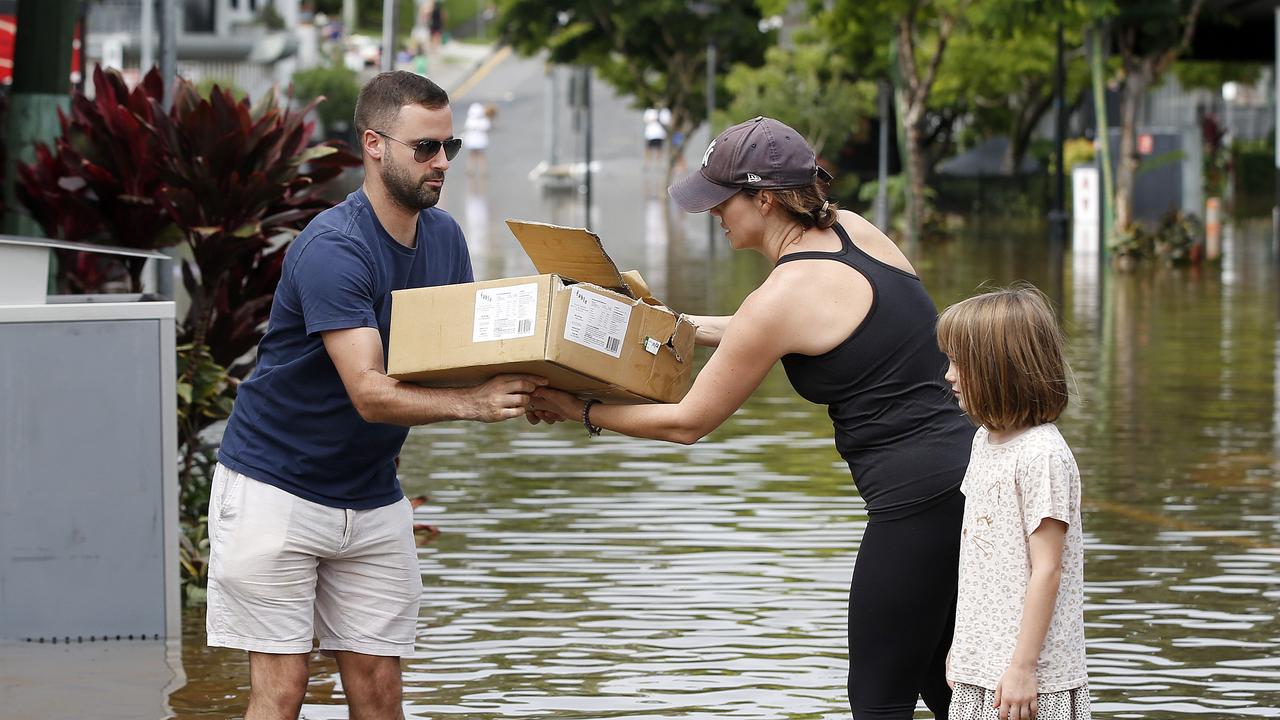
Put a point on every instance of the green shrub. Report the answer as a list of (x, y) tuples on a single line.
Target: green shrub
[(339, 87), (1178, 233), (1253, 165)]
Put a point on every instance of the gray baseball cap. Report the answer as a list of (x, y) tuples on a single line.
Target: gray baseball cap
[(759, 154)]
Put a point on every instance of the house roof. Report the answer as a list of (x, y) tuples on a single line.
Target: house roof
[(983, 160)]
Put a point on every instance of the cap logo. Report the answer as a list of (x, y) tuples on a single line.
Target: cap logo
[(753, 178), (707, 155)]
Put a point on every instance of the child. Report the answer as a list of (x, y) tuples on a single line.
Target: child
[(1018, 650), (475, 137)]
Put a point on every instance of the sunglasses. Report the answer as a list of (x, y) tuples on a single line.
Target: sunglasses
[(427, 149)]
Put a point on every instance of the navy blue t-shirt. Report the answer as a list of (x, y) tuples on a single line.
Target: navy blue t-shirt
[(293, 425)]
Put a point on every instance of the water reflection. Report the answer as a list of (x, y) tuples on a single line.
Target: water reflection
[(656, 221), (618, 578), (119, 680)]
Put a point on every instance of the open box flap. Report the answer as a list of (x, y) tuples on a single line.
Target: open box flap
[(574, 253)]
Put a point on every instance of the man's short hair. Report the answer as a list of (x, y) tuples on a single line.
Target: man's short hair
[(381, 99)]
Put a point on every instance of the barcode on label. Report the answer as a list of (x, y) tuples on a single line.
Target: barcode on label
[(597, 321), (505, 313)]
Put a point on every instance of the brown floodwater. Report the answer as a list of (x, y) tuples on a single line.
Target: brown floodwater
[(622, 578)]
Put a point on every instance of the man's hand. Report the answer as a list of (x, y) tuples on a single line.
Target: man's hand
[(502, 397), (1016, 693)]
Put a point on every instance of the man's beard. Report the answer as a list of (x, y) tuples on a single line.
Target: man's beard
[(405, 190)]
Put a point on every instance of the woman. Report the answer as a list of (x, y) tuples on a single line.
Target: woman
[(845, 313)]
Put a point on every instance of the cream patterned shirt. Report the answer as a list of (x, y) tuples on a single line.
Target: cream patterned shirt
[(1009, 488)]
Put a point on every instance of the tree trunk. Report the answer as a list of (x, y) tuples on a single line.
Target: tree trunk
[(917, 205), (1136, 83), (918, 86), (41, 86), (679, 126), (1025, 121)]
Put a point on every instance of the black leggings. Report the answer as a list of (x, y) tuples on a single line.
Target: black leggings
[(902, 610)]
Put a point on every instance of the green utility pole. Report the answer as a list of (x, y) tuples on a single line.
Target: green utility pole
[(41, 86)]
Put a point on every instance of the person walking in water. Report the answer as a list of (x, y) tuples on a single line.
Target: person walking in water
[(853, 326), (475, 137), (656, 123), (1018, 650)]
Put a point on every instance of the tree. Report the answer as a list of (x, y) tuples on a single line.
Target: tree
[(654, 51), (806, 87), (918, 33), (1211, 75), (1002, 68), (1149, 35)]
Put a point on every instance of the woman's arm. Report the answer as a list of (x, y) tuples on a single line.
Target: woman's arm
[(753, 340), (1017, 688), (710, 328)]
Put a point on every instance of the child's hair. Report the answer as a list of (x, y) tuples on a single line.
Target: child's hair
[(1009, 353)]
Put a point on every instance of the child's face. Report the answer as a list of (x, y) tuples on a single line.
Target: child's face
[(953, 377)]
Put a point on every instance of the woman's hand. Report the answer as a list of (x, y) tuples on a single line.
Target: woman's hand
[(1016, 693), (537, 416), (558, 402)]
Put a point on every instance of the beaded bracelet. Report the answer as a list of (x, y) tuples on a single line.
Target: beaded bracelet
[(592, 430)]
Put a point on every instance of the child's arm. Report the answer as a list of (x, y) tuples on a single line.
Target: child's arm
[(1016, 693)]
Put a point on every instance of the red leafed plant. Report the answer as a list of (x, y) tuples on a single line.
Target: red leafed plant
[(236, 178), (230, 179), (100, 182)]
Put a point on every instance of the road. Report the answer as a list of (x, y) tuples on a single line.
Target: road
[(639, 226)]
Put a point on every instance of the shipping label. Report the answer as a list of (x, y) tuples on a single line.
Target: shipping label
[(504, 313), (597, 321)]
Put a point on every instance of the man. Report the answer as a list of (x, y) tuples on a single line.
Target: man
[(310, 534)]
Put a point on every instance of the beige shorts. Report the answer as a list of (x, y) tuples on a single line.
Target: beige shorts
[(284, 570)]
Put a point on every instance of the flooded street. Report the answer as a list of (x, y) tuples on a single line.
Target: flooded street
[(620, 578), (580, 578)]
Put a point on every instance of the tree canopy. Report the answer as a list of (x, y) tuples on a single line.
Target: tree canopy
[(654, 51)]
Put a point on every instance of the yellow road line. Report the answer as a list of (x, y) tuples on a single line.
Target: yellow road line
[(485, 68)]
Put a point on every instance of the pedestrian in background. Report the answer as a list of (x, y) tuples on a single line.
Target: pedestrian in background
[(656, 122), (435, 24), (475, 138), (853, 326), (1018, 650)]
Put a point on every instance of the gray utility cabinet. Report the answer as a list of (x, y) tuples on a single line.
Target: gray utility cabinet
[(88, 472)]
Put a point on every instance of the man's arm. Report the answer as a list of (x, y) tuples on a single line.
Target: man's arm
[(357, 354)]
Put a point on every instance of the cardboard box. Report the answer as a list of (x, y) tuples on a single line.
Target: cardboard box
[(589, 329)]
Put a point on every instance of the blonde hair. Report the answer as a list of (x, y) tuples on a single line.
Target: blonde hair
[(1009, 353)]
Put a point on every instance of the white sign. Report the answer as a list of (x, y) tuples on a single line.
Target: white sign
[(113, 52), (504, 313), (597, 321), (1086, 198)]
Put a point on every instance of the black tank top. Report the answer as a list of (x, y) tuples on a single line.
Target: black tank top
[(896, 422)]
